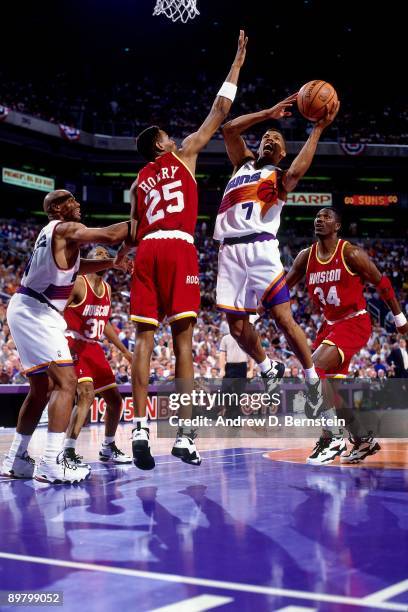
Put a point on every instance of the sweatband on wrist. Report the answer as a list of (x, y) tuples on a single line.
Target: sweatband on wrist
[(385, 289), (228, 90), (400, 319)]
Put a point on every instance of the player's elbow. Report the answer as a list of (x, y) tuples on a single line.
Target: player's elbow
[(228, 128)]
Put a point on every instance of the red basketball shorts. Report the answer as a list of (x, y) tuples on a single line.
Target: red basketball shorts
[(165, 281), (349, 336), (91, 364)]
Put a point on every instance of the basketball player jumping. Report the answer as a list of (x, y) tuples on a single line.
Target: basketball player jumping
[(37, 326), (250, 272), (336, 272), (165, 280), (87, 315)]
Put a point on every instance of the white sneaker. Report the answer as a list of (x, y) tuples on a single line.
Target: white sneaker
[(20, 466), (362, 448), (314, 399), (110, 452), (142, 457), (72, 456), (63, 470), (326, 450), (185, 449)]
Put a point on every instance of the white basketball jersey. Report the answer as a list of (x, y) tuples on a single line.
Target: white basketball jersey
[(42, 273), (252, 202)]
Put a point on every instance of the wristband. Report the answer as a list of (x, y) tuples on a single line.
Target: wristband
[(228, 90), (400, 319)]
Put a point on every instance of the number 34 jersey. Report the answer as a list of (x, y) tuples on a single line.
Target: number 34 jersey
[(87, 320), (166, 197), (332, 286)]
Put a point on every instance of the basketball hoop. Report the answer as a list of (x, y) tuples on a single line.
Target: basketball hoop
[(175, 10)]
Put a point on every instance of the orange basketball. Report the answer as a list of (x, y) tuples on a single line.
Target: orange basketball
[(313, 98), (267, 192)]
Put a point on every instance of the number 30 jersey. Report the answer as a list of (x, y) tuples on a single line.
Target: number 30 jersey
[(87, 320), (166, 197), (252, 202), (332, 286)]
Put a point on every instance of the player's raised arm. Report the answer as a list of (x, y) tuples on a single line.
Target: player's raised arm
[(360, 263), (303, 160), (298, 268), (237, 150), (193, 144)]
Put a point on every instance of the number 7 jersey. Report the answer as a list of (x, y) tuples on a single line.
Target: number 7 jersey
[(332, 286), (166, 197)]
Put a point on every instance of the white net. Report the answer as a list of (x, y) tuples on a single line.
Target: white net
[(176, 10)]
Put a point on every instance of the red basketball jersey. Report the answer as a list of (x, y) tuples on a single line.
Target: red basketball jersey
[(332, 286), (87, 320), (166, 197)]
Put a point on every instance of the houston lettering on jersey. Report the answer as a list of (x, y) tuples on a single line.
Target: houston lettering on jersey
[(96, 310), (324, 276)]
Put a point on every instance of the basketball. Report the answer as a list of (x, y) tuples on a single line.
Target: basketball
[(313, 98), (267, 192)]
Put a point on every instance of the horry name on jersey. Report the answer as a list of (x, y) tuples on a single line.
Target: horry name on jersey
[(241, 179), (324, 276), (165, 173)]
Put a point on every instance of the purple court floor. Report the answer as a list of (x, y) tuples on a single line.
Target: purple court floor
[(241, 532)]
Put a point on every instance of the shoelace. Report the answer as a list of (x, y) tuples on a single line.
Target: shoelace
[(191, 434), (115, 450), (71, 455), (26, 457), (322, 443)]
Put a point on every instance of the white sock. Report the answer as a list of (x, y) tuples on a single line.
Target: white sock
[(69, 443), (54, 446), (265, 365), (141, 420), (19, 444), (108, 440), (311, 374)]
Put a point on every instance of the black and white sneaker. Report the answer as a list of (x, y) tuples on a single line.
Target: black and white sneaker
[(110, 452), (314, 399), (74, 458), (142, 457), (362, 448), (184, 447), (326, 450), (19, 466), (60, 471), (272, 377)]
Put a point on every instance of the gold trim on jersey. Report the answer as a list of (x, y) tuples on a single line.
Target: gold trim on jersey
[(344, 260), (137, 319), (85, 379), (85, 296), (106, 387), (309, 256), (331, 257), (182, 315), (93, 290), (185, 165), (47, 364)]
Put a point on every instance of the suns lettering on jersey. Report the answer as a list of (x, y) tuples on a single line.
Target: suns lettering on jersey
[(252, 202)]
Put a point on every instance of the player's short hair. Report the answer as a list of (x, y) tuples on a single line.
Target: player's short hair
[(146, 142), (92, 253), (336, 212), (274, 129)]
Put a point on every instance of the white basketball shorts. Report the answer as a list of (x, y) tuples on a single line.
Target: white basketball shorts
[(248, 274), (38, 333)]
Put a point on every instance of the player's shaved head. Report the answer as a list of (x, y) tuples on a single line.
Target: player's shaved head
[(54, 198)]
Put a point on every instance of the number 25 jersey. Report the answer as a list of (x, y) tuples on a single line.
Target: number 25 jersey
[(332, 286), (166, 197)]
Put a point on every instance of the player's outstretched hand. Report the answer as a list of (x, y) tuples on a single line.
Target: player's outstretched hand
[(329, 117), (241, 51), (128, 355), (121, 262), (282, 109)]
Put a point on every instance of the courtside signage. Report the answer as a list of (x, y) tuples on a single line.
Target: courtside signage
[(28, 180), (371, 200), (310, 199)]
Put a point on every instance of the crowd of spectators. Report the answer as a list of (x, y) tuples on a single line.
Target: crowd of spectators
[(374, 361), (125, 108)]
